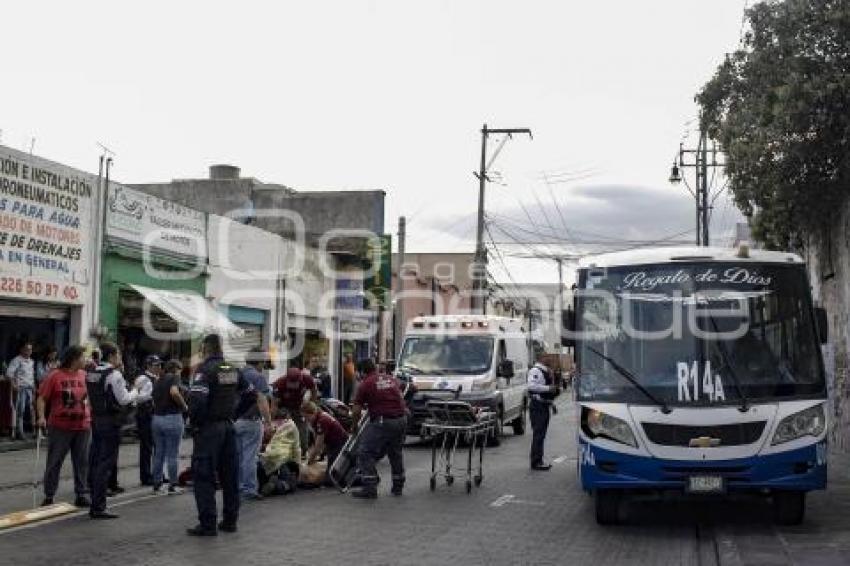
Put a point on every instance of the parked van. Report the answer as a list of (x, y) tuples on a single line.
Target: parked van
[(486, 356)]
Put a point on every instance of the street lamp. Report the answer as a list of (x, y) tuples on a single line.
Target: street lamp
[(675, 176)]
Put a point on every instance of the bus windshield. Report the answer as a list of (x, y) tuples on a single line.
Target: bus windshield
[(442, 355), (697, 334)]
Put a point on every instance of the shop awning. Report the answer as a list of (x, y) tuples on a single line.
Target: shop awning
[(192, 312)]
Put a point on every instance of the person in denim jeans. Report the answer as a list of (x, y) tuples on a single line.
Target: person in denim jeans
[(167, 425), (21, 372), (251, 412)]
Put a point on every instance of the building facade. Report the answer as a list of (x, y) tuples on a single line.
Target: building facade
[(47, 226)]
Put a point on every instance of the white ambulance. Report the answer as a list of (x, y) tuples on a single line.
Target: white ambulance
[(487, 357)]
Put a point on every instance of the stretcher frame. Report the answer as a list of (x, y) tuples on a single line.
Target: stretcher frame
[(346, 460), (452, 421)]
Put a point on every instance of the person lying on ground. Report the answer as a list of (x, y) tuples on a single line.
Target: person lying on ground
[(279, 462)]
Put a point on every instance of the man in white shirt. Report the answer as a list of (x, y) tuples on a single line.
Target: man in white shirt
[(144, 415), (21, 372), (542, 391), (108, 399)]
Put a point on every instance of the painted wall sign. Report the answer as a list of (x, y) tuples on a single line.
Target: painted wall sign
[(45, 229), (144, 219)]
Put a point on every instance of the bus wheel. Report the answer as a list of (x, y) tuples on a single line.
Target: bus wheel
[(789, 507), (607, 503)]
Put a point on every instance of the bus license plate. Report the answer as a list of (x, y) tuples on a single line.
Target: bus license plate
[(705, 484)]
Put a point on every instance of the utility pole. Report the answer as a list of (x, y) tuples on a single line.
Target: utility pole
[(700, 164), (398, 324), (531, 359), (433, 295), (560, 317), (479, 302)]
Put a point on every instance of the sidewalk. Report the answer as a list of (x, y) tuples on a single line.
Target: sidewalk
[(16, 466), (9, 445)]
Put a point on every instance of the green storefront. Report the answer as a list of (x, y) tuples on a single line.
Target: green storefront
[(124, 269), (145, 268)]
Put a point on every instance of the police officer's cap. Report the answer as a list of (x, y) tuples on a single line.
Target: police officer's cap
[(153, 360)]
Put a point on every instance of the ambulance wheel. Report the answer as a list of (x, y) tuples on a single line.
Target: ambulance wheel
[(468, 486), (495, 437), (607, 502), (433, 484), (450, 480), (518, 423), (789, 507)]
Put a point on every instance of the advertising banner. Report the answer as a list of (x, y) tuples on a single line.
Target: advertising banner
[(161, 225), (380, 257), (46, 211)]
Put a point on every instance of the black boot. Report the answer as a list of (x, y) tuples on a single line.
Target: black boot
[(200, 531), (365, 493)]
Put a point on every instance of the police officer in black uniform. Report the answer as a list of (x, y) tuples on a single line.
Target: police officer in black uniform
[(381, 395), (212, 401), (542, 391)]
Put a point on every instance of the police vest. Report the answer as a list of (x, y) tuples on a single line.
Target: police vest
[(101, 399), (223, 382), (550, 381)]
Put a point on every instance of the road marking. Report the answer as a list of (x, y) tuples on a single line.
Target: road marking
[(526, 502), (508, 498), (136, 496), (559, 459), (32, 515), (502, 500)]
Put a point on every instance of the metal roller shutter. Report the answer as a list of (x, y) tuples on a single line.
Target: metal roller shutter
[(33, 310), (236, 348)]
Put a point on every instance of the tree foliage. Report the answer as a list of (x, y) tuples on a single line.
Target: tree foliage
[(780, 107)]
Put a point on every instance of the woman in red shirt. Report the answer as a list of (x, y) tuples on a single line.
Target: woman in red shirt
[(69, 424)]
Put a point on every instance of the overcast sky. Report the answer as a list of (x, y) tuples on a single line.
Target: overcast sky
[(386, 95)]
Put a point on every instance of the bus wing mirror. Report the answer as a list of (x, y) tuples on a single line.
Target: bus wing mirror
[(822, 324)]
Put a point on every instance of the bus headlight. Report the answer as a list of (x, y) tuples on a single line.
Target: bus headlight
[(809, 422), (597, 424)]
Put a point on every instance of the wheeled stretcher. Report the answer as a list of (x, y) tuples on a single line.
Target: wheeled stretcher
[(452, 422), (344, 469)]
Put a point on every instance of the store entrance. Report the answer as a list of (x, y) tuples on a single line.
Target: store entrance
[(45, 328), (136, 344)]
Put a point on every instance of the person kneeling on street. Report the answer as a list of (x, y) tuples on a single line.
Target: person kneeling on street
[(330, 437), (278, 468)]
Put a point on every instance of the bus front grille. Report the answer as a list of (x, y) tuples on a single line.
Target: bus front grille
[(737, 434)]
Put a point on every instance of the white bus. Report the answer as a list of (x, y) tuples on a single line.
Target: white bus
[(700, 373), (486, 356)]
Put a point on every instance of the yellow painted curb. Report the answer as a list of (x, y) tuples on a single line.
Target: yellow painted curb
[(33, 515)]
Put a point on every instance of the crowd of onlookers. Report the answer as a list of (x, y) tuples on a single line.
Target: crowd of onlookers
[(280, 441)]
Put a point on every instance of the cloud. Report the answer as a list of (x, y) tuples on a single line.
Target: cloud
[(589, 218)]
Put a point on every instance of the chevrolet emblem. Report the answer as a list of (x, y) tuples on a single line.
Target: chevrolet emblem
[(704, 442)]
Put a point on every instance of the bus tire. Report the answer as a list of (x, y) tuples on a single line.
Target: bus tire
[(607, 503), (789, 507)]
